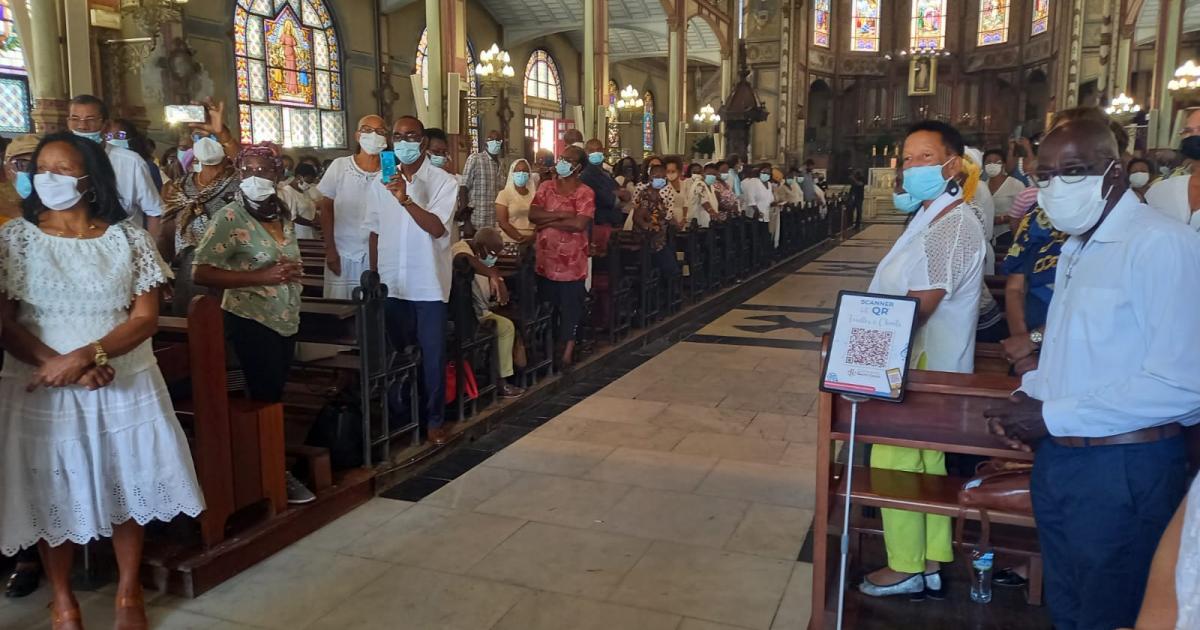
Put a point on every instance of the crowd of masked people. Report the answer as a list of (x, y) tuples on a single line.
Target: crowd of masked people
[(98, 230), (1101, 297)]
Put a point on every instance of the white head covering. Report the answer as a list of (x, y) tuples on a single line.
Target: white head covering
[(533, 178)]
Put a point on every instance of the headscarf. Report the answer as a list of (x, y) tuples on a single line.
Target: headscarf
[(972, 158), (273, 207), (533, 178), (262, 149)]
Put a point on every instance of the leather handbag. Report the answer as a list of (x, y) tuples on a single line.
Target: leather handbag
[(1000, 485)]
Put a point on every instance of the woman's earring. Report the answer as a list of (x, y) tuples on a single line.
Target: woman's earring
[(91, 195)]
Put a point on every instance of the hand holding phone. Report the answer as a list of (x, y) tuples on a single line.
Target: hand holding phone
[(175, 114), (387, 166)]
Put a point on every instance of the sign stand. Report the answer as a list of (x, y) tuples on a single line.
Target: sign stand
[(845, 547)]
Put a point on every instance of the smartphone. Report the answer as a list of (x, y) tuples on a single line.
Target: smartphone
[(175, 114), (387, 165)]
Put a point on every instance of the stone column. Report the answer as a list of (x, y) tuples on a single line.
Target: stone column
[(48, 81), (1166, 44), (676, 75), (79, 48), (595, 62), (437, 78)]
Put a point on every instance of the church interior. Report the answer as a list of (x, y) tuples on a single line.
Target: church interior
[(671, 450)]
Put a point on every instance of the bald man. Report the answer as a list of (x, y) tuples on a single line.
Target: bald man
[(343, 208), (573, 138), (1117, 375), (481, 252)]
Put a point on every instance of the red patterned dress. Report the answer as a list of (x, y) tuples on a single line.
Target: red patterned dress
[(563, 256)]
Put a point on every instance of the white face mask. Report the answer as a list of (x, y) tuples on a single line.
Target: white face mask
[(993, 169), (1137, 180), (1074, 208), (302, 185), (57, 192), (372, 143), (208, 151), (257, 188)]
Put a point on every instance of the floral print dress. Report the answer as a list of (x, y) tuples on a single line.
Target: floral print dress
[(236, 241)]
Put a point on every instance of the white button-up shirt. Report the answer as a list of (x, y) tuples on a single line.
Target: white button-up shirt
[(347, 185), (1120, 350), (135, 186), (756, 193), (414, 265)]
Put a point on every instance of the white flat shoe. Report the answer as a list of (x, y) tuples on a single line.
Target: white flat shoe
[(909, 586)]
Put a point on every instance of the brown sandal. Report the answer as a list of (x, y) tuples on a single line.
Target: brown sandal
[(59, 618), (134, 601)]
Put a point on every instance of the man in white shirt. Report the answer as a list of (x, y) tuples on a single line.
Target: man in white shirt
[(88, 117), (343, 208), (409, 225), (756, 192), (1117, 377)]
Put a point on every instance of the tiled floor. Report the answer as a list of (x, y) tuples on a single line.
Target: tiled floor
[(678, 497)]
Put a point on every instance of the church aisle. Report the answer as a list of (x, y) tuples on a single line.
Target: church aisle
[(678, 497)]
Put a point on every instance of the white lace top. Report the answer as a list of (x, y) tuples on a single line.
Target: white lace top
[(75, 291), (946, 254)]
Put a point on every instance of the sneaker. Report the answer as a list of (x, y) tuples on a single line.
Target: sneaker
[(913, 585), (297, 493), (511, 391)]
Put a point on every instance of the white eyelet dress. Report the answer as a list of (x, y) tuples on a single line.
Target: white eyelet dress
[(77, 462)]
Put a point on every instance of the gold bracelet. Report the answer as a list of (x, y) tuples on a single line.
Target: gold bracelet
[(101, 358)]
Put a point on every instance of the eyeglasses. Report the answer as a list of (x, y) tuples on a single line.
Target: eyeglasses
[(1072, 174), (369, 129), (1189, 131), (116, 135), (267, 172), (412, 136), (20, 165)]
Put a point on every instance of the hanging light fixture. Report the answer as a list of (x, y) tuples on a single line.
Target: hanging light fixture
[(707, 115), (1122, 105), (1187, 78), (630, 99), (494, 66)]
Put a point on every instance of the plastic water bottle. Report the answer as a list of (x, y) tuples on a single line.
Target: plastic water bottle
[(981, 585)]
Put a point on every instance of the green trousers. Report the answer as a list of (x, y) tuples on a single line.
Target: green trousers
[(912, 538)]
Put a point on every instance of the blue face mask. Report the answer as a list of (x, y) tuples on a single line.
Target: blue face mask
[(710, 179), (407, 151), (765, 177), (520, 178), (925, 182), (24, 184), (119, 142), (437, 160), (659, 183), (563, 168), (725, 176), (493, 146), (94, 136), (489, 261), (905, 202), (596, 158), (790, 181)]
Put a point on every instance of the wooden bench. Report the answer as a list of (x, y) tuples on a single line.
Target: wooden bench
[(532, 316), (941, 411)]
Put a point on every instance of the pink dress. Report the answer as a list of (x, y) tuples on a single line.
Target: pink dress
[(563, 256)]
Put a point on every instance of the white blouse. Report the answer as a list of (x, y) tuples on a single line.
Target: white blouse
[(75, 291), (1187, 568), (939, 253)]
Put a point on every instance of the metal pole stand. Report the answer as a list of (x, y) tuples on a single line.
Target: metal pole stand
[(845, 548)]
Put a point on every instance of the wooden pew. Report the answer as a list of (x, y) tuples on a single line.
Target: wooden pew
[(941, 411), (636, 264), (531, 314), (690, 244), (237, 444), (471, 344)]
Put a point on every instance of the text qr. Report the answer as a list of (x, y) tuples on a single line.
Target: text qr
[(869, 347)]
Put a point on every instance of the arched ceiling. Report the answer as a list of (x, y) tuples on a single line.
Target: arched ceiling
[(637, 28), (1147, 22)]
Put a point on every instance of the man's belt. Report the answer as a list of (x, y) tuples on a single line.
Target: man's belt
[(1141, 436)]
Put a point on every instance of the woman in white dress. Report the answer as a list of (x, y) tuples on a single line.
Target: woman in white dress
[(939, 261), (1178, 196), (89, 443), (1172, 597)]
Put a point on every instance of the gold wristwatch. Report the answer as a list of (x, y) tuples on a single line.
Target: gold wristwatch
[(101, 358)]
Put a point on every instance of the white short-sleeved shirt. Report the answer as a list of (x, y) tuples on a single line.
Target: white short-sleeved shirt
[(940, 253), (1170, 197), (135, 186), (348, 186), (301, 205), (1003, 200), (414, 265), (756, 193)]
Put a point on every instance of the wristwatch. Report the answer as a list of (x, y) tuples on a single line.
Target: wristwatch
[(101, 358), (1036, 337)]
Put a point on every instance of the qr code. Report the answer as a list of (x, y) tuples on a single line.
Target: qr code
[(869, 347)]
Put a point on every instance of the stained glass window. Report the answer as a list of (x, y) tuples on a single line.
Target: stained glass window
[(541, 78), (14, 79), (421, 67), (289, 73), (612, 129), (419, 62), (648, 124), (864, 34), (821, 23), (1041, 16), (993, 22), (929, 24)]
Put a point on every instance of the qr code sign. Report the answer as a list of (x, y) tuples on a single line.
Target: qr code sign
[(869, 347)]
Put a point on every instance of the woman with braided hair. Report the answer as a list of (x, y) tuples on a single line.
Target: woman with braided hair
[(250, 252)]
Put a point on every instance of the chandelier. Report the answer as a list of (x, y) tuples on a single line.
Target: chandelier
[(707, 115), (493, 67), (916, 51), (629, 99), (1122, 105), (1187, 78)]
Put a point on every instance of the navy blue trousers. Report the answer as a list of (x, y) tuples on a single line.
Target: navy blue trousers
[(1100, 511), (423, 324)]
